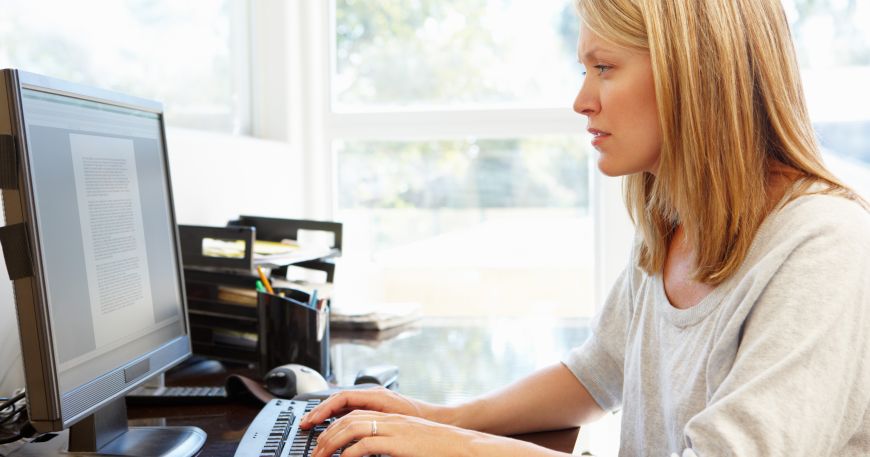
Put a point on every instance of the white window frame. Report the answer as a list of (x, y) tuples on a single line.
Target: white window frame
[(293, 45)]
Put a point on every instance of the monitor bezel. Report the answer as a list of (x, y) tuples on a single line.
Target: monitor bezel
[(48, 406)]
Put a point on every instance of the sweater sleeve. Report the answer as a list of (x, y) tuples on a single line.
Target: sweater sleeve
[(798, 385), (599, 362)]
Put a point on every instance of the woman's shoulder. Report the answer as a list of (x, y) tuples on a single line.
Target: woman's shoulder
[(819, 241), (829, 218), (832, 212)]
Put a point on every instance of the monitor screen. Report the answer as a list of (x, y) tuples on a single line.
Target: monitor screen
[(91, 244), (103, 214)]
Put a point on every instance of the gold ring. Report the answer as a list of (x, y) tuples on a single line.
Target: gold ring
[(374, 428)]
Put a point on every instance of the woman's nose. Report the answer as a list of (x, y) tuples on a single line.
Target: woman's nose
[(586, 103)]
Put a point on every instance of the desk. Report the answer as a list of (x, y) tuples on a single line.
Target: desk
[(446, 361), (440, 360)]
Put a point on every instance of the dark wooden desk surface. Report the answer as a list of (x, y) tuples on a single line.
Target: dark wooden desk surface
[(444, 361)]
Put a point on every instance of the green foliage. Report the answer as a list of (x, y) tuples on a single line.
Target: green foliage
[(393, 51), (175, 52), (400, 52), (503, 173)]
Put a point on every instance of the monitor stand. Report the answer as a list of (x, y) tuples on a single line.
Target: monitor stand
[(106, 433)]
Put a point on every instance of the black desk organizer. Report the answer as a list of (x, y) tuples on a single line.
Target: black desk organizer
[(285, 328), (293, 328)]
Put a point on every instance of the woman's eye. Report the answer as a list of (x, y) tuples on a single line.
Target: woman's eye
[(603, 68)]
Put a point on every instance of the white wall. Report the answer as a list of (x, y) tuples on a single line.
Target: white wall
[(215, 178)]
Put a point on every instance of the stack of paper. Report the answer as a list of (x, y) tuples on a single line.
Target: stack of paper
[(381, 317), (269, 254)]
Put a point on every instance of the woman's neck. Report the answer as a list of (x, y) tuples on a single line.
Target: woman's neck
[(780, 179)]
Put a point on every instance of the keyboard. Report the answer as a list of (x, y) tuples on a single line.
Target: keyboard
[(275, 431), (177, 395)]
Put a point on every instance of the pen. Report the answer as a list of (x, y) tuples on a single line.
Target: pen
[(265, 280), (260, 286)]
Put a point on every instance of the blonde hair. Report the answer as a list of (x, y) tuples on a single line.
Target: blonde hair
[(731, 107)]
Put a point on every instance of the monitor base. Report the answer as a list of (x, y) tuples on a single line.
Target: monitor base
[(135, 442)]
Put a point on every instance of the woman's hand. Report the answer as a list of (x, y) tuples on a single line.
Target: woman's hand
[(376, 399), (395, 435)]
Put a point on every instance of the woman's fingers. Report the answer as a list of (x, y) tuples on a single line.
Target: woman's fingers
[(333, 406), (356, 426), (343, 402), (363, 433)]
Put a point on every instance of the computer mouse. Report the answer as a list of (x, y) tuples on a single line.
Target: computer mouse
[(290, 380)]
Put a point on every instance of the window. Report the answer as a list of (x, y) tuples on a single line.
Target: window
[(188, 55), (493, 226), (457, 53), (461, 173), (833, 47)]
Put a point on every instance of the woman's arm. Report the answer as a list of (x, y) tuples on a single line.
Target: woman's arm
[(554, 398), (550, 399)]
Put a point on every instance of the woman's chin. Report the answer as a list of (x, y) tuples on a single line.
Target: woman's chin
[(610, 169)]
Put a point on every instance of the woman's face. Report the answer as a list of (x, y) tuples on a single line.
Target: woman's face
[(618, 99)]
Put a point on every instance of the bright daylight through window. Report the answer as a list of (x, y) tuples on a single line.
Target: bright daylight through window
[(185, 54), (454, 53), (464, 223)]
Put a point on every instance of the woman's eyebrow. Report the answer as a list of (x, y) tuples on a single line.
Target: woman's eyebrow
[(591, 53)]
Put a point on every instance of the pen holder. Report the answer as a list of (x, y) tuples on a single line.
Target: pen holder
[(293, 330)]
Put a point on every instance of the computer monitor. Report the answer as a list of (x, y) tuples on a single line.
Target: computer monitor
[(91, 244)]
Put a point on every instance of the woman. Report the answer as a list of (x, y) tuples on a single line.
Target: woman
[(740, 326)]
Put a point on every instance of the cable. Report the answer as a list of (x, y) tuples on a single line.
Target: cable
[(9, 419), (26, 431), (18, 429), (11, 415), (11, 401)]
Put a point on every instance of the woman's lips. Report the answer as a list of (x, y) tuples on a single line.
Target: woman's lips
[(598, 136)]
